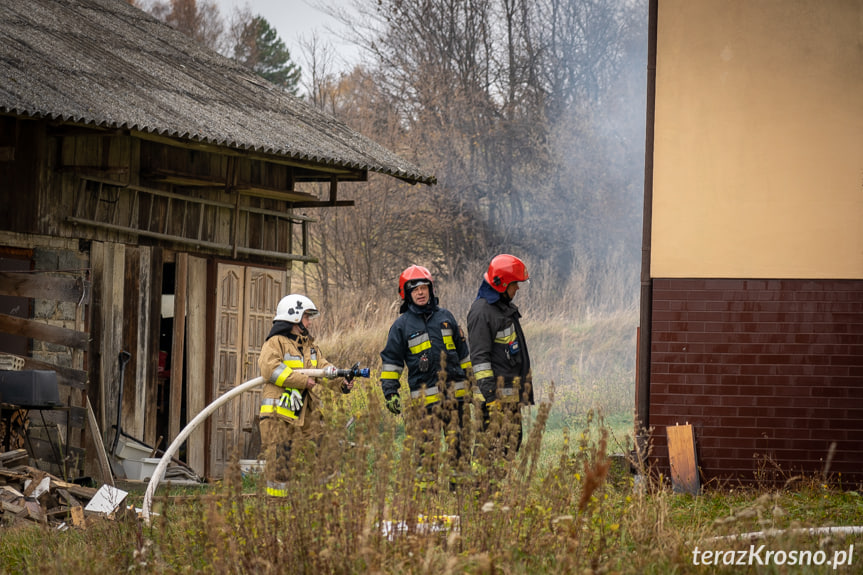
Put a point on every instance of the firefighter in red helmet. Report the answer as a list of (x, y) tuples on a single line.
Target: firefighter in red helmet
[(498, 350), (427, 339)]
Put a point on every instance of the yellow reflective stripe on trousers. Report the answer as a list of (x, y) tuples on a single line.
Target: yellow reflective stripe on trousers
[(432, 395), (508, 395), (460, 388)]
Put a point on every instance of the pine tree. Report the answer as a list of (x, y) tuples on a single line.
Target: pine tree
[(261, 49)]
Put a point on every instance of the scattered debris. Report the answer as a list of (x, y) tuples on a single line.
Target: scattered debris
[(107, 500), (29, 494), (424, 524)]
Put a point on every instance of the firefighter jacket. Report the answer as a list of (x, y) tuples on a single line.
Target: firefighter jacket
[(280, 355), (418, 339), (497, 347)]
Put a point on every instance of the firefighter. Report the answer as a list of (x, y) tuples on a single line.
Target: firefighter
[(427, 338), (501, 364), (291, 402)]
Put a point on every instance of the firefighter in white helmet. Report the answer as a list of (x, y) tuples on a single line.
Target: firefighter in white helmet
[(291, 402)]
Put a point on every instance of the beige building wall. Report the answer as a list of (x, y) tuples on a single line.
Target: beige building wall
[(758, 150)]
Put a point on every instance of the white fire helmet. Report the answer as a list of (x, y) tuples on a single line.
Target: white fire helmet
[(292, 307)]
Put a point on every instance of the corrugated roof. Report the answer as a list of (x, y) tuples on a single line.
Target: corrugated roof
[(106, 63)]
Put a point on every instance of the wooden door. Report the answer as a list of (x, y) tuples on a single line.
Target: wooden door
[(228, 342), (246, 299), (264, 289)]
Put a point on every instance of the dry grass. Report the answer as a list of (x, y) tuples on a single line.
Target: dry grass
[(356, 505)]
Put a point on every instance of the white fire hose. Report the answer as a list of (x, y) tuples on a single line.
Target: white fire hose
[(204, 414)]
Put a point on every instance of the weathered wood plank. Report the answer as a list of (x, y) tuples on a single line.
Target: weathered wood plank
[(43, 286), (12, 508), (133, 413), (681, 456), (96, 393), (110, 322), (196, 344), (14, 458), (144, 367), (114, 323), (198, 244), (104, 468), (201, 201), (77, 490), (44, 332), (77, 398)]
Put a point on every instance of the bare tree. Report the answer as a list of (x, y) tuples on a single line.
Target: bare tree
[(510, 102), (319, 57), (200, 20)]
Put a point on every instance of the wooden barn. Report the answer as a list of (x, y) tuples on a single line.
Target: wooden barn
[(155, 198), (751, 324)]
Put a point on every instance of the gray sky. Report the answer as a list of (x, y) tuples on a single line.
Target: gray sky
[(298, 19)]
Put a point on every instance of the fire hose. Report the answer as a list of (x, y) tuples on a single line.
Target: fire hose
[(355, 371)]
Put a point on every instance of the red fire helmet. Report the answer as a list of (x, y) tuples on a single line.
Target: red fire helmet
[(416, 275), (503, 270)]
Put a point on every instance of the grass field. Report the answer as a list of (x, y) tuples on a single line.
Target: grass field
[(564, 504)]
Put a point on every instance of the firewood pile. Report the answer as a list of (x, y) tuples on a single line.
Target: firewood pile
[(31, 495)]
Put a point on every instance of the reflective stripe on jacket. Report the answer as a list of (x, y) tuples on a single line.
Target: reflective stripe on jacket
[(280, 356), (497, 347), (418, 340)]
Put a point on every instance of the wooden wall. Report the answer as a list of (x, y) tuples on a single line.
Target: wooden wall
[(127, 204), (104, 185), (57, 329)]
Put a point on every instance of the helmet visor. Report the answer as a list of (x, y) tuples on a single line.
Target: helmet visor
[(411, 284)]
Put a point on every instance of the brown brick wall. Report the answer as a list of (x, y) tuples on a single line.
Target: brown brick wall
[(768, 372)]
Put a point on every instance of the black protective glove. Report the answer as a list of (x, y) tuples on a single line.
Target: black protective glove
[(394, 403)]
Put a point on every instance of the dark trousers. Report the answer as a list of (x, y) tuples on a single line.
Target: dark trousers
[(502, 429), (447, 417)]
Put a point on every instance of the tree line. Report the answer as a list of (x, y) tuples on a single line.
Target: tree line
[(529, 112), (244, 36)]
